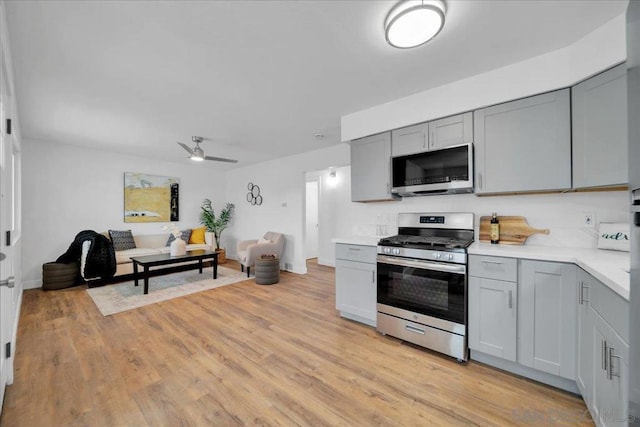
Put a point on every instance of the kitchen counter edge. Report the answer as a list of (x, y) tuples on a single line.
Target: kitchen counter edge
[(609, 267)]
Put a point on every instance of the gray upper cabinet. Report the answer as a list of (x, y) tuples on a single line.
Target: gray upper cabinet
[(451, 130), (371, 168), (409, 140), (547, 317), (599, 113), (524, 145)]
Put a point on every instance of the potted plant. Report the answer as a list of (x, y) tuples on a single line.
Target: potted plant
[(216, 225)]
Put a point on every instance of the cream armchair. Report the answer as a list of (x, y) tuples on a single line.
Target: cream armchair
[(249, 250)]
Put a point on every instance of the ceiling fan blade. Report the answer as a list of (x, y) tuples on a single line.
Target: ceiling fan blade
[(189, 150), (220, 159)]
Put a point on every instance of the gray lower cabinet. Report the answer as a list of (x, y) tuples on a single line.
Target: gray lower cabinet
[(599, 128), (371, 168), (611, 373), (524, 145), (547, 317), (522, 317), (493, 311), (603, 351), (492, 317), (584, 335), (356, 282)]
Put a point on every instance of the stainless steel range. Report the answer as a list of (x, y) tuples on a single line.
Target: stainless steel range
[(422, 281)]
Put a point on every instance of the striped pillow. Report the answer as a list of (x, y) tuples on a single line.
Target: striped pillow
[(122, 240)]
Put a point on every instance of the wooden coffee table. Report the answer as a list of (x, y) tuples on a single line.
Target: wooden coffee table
[(149, 261)]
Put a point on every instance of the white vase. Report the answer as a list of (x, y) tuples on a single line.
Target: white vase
[(178, 247)]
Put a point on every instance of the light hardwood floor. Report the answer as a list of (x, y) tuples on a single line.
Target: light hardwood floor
[(246, 354)]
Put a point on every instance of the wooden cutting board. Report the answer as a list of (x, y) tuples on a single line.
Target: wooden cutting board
[(514, 230)]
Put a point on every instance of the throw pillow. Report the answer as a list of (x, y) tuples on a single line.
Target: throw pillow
[(184, 235), (122, 240), (264, 241), (197, 236)]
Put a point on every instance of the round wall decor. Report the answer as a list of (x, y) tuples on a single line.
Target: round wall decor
[(253, 196)]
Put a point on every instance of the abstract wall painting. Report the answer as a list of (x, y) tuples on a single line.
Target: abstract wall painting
[(151, 198)]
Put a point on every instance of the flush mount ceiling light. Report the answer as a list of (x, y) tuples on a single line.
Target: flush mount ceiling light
[(412, 23)]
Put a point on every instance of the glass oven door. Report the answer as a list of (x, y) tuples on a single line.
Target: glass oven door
[(429, 288)]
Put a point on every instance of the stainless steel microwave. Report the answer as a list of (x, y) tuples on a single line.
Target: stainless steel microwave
[(447, 170)]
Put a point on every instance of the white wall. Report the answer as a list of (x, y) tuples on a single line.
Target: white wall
[(67, 189), (597, 51), (562, 213), (282, 185), (311, 218)]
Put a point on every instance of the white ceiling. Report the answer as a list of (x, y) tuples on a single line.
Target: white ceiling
[(258, 77)]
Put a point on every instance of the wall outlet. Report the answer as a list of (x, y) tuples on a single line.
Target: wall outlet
[(588, 219)]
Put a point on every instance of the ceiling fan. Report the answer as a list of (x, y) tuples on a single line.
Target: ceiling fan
[(196, 153)]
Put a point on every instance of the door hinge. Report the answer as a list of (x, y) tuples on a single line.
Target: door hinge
[(7, 350), (8, 126), (7, 241)]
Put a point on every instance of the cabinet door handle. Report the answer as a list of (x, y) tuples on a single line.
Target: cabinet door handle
[(492, 262), (604, 355), (373, 276), (582, 288), (510, 299), (612, 356), (480, 180), (355, 249)]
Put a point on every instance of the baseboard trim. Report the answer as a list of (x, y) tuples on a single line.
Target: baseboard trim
[(329, 262), (525, 371), (32, 284)]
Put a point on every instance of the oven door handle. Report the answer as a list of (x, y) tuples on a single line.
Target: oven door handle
[(445, 268)]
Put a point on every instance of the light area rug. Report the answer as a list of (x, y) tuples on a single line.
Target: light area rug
[(116, 298)]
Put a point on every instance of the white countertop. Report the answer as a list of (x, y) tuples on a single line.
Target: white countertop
[(610, 267)]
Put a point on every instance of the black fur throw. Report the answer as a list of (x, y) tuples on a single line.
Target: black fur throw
[(101, 258)]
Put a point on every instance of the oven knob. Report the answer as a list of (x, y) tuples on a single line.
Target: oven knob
[(387, 250), (437, 255), (396, 251), (450, 257)]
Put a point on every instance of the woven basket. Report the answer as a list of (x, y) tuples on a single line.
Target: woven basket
[(59, 276), (267, 271)]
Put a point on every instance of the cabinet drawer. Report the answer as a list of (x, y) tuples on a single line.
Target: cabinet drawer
[(491, 267), (356, 253), (612, 307)]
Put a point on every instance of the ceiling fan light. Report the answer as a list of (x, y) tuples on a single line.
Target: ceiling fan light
[(412, 23), (196, 158)]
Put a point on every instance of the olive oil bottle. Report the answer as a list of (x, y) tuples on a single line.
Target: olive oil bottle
[(494, 229)]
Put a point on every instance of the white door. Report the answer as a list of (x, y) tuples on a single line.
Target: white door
[(6, 224), (311, 243)]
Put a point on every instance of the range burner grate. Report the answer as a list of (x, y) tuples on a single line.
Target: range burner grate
[(426, 241)]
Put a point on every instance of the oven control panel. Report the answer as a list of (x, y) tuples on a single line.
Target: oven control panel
[(424, 254)]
